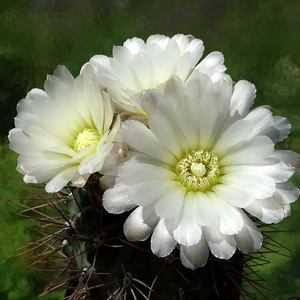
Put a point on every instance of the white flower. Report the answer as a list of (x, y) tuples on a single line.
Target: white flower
[(203, 163), (66, 132), (138, 66)]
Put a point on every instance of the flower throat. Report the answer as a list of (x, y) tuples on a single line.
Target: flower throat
[(198, 171), (88, 137)]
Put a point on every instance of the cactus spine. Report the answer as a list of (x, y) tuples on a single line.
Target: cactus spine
[(96, 262)]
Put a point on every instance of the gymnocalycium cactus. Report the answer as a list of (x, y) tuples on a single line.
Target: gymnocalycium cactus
[(163, 175), (91, 259)]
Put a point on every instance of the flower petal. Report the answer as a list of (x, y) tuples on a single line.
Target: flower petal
[(188, 232), (288, 192), (140, 223), (249, 239), (230, 218), (145, 193), (288, 157), (60, 180), (162, 241), (249, 152), (134, 171), (133, 132), (243, 97), (221, 245), (205, 213), (169, 205), (234, 194), (116, 201), (194, 256), (267, 210), (261, 186), (237, 133)]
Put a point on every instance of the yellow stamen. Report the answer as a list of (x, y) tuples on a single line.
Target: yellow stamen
[(88, 137), (198, 171)]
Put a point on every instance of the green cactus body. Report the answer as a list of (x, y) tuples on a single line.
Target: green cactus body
[(105, 266), (95, 261)]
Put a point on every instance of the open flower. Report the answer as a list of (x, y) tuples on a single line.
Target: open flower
[(200, 167), (66, 132), (139, 65)]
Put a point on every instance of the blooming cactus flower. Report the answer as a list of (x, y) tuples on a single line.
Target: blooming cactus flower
[(201, 166), (66, 132), (139, 65)]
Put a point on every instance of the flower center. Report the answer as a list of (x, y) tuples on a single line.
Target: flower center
[(88, 137), (198, 170)]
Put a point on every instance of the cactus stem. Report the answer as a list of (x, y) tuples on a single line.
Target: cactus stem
[(92, 260)]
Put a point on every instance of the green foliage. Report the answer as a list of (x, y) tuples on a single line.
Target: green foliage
[(17, 283)]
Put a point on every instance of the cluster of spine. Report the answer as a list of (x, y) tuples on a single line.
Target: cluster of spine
[(92, 260)]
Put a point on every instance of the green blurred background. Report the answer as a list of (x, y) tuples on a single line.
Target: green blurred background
[(260, 41)]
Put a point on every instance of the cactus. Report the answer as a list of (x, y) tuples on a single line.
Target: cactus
[(93, 260), (184, 150)]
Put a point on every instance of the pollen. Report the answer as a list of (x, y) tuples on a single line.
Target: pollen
[(198, 171), (88, 137)]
